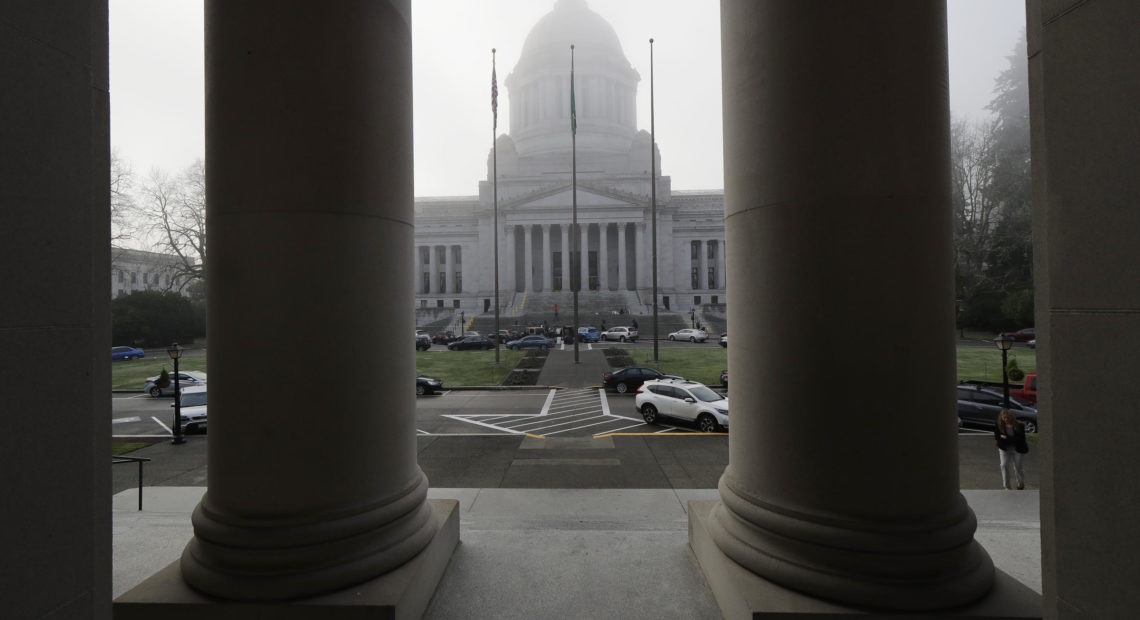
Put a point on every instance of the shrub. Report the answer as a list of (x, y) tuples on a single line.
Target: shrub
[(163, 378), (1013, 371)]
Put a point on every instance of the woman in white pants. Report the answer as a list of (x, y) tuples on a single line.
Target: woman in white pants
[(1011, 445)]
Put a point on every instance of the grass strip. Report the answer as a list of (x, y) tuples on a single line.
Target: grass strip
[(463, 368)]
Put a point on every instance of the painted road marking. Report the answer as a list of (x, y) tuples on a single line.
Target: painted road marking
[(159, 422), (125, 420)]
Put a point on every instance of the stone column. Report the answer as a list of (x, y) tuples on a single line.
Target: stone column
[(846, 500), (565, 256), (722, 271), (418, 267), (603, 256), (585, 256), (433, 268), (528, 257), (281, 520), (623, 281), (641, 255), (547, 272), (511, 272), (702, 264)]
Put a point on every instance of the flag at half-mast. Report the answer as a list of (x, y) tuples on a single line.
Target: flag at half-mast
[(494, 98)]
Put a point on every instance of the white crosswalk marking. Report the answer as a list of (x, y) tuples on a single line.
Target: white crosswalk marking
[(580, 412)]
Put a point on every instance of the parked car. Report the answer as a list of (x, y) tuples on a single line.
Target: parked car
[(1028, 390), (979, 405), (683, 400), (692, 335), (724, 340), (1022, 335), (621, 334), (507, 335), (427, 385), (588, 334), (193, 410), (444, 337), (530, 342), (724, 378), (422, 332), (630, 378), (126, 353), (1032, 343), (423, 342), (481, 343), (188, 379)]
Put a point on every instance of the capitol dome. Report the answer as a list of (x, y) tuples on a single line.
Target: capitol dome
[(605, 86)]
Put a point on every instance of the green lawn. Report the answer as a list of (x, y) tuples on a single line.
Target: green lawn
[(132, 374), (121, 447), (467, 367), (703, 364), (984, 363)]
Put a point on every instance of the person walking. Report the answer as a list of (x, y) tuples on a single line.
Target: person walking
[(1012, 447)]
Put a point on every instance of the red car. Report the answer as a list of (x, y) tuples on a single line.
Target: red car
[(1021, 335)]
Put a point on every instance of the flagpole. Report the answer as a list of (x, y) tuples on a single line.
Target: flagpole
[(574, 200), (495, 190), (653, 197)]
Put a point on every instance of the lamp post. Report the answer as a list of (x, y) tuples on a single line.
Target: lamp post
[(175, 352), (1004, 342)]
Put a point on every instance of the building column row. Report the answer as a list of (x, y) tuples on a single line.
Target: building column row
[(434, 260), (535, 280)]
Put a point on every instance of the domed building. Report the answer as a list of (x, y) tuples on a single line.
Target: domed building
[(455, 236)]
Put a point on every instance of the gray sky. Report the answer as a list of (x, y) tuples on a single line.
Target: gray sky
[(157, 77)]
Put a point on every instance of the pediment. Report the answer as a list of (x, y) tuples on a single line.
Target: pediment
[(562, 197)]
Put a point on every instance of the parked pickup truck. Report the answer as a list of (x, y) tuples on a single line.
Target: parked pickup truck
[(1025, 393)]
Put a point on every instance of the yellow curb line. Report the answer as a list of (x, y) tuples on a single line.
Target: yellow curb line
[(535, 436)]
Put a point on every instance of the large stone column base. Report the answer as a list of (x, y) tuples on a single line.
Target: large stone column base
[(402, 593), (741, 593)]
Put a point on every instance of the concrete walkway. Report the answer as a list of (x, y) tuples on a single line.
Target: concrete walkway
[(561, 553), (561, 370)]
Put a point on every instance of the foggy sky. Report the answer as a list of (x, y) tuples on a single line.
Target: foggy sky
[(157, 75)]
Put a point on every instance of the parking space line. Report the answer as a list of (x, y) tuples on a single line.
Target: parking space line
[(620, 429), (159, 422), (546, 405), (581, 427), (125, 420), (605, 401)]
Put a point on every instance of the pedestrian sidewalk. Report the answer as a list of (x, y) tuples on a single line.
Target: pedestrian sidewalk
[(560, 369)]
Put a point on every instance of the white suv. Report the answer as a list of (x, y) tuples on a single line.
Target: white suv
[(621, 334), (685, 400)]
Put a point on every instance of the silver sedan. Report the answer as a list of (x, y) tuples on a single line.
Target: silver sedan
[(692, 335)]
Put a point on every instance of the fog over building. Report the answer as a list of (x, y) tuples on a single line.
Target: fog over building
[(455, 236)]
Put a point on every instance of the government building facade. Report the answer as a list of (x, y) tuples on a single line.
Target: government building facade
[(455, 236)]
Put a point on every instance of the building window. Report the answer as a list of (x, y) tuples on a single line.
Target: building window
[(120, 276), (427, 282), (146, 278), (439, 303), (696, 278), (443, 281), (134, 277), (695, 250), (458, 283), (697, 300), (712, 250), (712, 277), (423, 303), (455, 304)]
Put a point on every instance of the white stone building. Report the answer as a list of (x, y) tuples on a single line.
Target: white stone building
[(138, 270), (455, 236)]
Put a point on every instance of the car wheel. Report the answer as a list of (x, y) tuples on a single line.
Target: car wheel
[(672, 338), (420, 391), (692, 339), (621, 339), (1030, 426), (155, 392), (649, 412), (621, 388), (706, 423)]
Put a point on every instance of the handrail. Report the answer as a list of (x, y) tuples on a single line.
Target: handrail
[(118, 460)]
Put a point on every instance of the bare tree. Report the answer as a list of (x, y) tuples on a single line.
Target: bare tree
[(173, 212), (975, 212), (122, 201)]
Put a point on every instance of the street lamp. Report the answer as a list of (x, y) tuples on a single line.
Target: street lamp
[(1004, 342), (175, 352)]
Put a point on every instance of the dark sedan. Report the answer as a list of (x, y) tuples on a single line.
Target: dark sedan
[(530, 342), (478, 343), (630, 378), (979, 406), (1022, 335), (427, 385)]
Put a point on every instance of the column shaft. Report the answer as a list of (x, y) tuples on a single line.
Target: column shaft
[(623, 282), (547, 272), (603, 256), (585, 258), (565, 256), (528, 257), (280, 519), (845, 511), (511, 271), (702, 264)]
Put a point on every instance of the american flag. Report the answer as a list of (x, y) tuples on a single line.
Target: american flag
[(494, 98)]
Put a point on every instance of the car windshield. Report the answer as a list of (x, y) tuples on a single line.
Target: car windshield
[(194, 399), (705, 394)]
